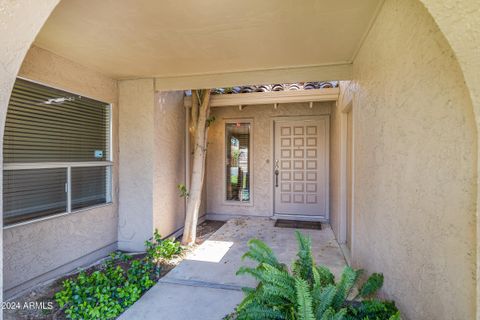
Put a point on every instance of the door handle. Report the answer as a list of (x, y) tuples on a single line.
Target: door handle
[(276, 173)]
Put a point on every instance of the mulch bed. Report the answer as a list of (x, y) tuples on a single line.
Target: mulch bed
[(44, 294)]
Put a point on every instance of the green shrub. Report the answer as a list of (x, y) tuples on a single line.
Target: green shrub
[(309, 291), (372, 310), (158, 249), (106, 293)]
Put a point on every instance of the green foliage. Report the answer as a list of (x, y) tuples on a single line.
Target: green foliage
[(371, 286), (309, 292), (106, 293), (210, 121), (303, 266), (373, 310), (344, 286), (158, 249), (261, 253), (304, 300), (183, 191)]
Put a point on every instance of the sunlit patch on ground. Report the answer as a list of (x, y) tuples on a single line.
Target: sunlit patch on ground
[(210, 251)]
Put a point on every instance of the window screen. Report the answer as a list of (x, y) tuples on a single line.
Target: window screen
[(56, 153), (237, 157)]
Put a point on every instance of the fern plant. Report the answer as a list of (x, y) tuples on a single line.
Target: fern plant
[(308, 292)]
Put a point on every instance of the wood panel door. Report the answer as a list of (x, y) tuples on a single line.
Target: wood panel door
[(301, 167)]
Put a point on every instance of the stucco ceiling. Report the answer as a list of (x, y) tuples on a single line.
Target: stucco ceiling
[(165, 38)]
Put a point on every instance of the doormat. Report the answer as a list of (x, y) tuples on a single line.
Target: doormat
[(282, 223)]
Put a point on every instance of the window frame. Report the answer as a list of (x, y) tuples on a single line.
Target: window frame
[(226, 202), (108, 164)]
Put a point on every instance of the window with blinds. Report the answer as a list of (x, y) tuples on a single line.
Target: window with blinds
[(237, 155), (56, 153)]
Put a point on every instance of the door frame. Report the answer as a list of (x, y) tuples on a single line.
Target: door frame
[(327, 168), (347, 108)]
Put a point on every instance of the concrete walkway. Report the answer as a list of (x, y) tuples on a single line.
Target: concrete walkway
[(204, 285)]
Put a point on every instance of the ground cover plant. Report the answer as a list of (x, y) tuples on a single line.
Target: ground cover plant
[(308, 291), (44, 293), (107, 292)]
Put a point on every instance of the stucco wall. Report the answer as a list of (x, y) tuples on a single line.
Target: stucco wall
[(37, 248), (152, 139), (20, 22), (136, 123), (415, 166), (169, 207), (261, 165)]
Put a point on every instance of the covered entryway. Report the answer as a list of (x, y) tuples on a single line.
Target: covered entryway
[(285, 173), (301, 167), (407, 182)]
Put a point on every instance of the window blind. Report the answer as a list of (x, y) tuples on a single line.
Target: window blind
[(56, 153), (33, 193), (89, 186), (50, 125)]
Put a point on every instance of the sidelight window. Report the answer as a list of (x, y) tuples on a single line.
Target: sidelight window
[(238, 158)]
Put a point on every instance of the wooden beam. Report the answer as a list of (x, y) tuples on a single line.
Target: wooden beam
[(273, 97)]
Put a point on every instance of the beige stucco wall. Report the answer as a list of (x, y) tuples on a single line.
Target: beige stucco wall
[(169, 207), (20, 22), (261, 165), (136, 101), (33, 250), (152, 135), (415, 166)]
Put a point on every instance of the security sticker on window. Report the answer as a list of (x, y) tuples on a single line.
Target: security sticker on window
[(98, 154)]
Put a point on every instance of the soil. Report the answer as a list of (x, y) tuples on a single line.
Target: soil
[(39, 302)]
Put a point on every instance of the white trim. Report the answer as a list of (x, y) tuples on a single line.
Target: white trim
[(69, 189), (273, 97), (110, 133), (248, 203), (53, 165)]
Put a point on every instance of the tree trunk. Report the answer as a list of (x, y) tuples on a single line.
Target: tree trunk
[(198, 170)]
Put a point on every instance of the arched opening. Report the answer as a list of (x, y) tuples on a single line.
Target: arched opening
[(462, 38)]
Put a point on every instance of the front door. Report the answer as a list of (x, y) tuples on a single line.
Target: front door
[(301, 167)]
